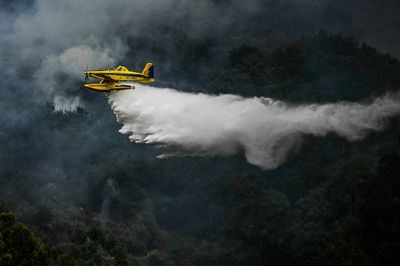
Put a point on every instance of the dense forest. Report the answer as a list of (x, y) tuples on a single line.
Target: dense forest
[(74, 191)]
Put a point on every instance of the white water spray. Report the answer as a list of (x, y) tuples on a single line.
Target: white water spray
[(267, 131)]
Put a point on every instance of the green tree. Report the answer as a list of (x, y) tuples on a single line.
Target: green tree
[(259, 221), (19, 246)]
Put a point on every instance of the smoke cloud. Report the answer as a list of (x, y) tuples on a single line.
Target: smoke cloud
[(50, 42), (265, 130), (65, 70)]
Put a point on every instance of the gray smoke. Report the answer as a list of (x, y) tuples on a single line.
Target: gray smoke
[(267, 131), (49, 43), (110, 191)]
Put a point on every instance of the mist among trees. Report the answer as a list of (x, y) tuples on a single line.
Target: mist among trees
[(74, 191)]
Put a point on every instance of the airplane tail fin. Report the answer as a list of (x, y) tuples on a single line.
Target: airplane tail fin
[(148, 70)]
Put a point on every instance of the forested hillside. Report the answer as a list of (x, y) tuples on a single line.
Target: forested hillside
[(93, 198)]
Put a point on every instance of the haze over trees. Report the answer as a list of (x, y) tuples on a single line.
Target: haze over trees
[(89, 197)]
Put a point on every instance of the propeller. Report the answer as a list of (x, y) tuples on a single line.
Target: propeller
[(86, 74)]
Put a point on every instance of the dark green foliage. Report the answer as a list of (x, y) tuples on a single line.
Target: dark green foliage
[(83, 188), (378, 211), (18, 245), (319, 68), (260, 220)]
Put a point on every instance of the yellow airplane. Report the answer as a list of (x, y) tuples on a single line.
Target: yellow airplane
[(118, 78)]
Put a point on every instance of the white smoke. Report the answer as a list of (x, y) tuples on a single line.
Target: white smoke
[(66, 70), (66, 104), (267, 131)]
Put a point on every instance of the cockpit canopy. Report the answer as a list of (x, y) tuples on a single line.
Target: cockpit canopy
[(121, 68)]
